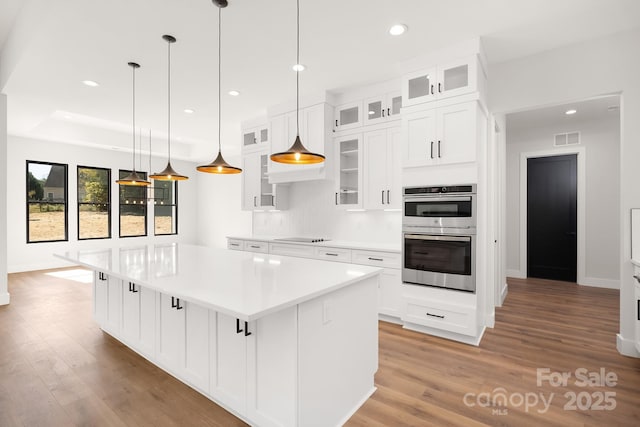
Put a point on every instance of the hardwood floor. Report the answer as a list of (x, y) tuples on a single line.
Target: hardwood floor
[(57, 368)]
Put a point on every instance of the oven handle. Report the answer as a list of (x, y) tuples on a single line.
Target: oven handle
[(441, 238), (437, 199)]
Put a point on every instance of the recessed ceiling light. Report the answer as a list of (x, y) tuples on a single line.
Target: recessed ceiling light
[(90, 83), (298, 67), (570, 112), (397, 29), (234, 93), (189, 111)]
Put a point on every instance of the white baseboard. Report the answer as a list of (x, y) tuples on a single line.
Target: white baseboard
[(626, 347), (503, 293), (517, 274), (491, 320), (5, 298), (600, 283)]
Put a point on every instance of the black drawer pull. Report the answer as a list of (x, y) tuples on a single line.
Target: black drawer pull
[(330, 254), (255, 247), (132, 288), (376, 259), (175, 303), (435, 315), (101, 276), (246, 330), (638, 311), (637, 278), (238, 330), (234, 244)]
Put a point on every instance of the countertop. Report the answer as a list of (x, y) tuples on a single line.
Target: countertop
[(346, 244), (244, 285)]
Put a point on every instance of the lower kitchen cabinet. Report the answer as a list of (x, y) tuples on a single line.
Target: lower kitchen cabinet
[(139, 317), (228, 366), (389, 295), (100, 292), (183, 346), (114, 305)]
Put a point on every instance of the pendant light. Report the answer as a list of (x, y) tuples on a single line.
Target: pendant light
[(219, 165), (133, 179), (168, 174), (297, 154)]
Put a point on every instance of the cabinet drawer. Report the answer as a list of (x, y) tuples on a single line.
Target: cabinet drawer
[(333, 254), (377, 259), (235, 244), (253, 246), (287, 249), (441, 315)]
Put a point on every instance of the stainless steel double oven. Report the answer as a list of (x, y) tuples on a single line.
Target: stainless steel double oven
[(439, 236)]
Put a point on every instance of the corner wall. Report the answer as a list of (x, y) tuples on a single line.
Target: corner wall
[(35, 256), (4, 242)]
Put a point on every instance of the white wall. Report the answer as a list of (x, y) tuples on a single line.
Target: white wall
[(219, 213), (4, 295), (600, 138), (312, 213), (34, 256), (604, 66)]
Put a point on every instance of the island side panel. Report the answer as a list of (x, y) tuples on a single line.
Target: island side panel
[(338, 353)]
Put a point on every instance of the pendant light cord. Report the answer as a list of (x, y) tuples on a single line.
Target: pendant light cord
[(169, 102), (134, 120), (297, 68), (219, 78)]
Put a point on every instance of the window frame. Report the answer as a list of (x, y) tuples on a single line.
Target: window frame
[(174, 204), (120, 204), (65, 204), (88, 203)]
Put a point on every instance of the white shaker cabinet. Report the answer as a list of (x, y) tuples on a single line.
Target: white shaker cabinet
[(228, 361), (257, 192), (444, 135), (255, 137), (114, 305), (382, 108), (382, 169), (100, 296), (348, 116), (389, 294), (348, 171), (139, 317), (183, 346), (457, 77)]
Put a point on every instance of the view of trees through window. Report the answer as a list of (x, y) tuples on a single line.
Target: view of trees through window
[(165, 207), (94, 208), (46, 202), (133, 208)]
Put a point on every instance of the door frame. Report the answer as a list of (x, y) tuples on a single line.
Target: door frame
[(580, 153)]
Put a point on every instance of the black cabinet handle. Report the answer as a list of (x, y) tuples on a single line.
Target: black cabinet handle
[(173, 302), (255, 246), (382, 195), (376, 259), (330, 254), (388, 112), (101, 276), (336, 199), (132, 288), (435, 315), (637, 278), (246, 330), (388, 201), (254, 201), (431, 151), (383, 112), (638, 311), (439, 149), (440, 87), (234, 244), (336, 122), (431, 89), (238, 330), (178, 306)]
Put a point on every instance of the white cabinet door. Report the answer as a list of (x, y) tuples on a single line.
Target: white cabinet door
[(196, 345), (456, 142), (114, 305), (229, 362), (250, 181), (376, 169), (313, 119), (283, 134), (272, 369), (131, 313), (148, 304), (419, 87), (457, 77), (171, 335), (100, 296), (389, 296), (382, 108), (348, 116), (420, 131), (348, 171), (255, 137), (394, 164)]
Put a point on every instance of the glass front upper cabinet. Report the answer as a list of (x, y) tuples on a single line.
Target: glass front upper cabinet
[(255, 136), (382, 108), (348, 116), (349, 172)]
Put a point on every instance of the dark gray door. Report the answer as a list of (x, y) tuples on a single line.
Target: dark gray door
[(552, 193)]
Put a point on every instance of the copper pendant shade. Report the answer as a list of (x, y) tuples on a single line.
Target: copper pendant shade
[(168, 174), (297, 154), (219, 165), (133, 179)]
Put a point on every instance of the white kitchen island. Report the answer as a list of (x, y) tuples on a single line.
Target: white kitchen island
[(277, 341)]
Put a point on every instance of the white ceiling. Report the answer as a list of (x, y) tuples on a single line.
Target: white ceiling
[(55, 44)]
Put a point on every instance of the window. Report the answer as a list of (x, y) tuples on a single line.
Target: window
[(94, 207), (165, 207), (133, 208), (46, 202)]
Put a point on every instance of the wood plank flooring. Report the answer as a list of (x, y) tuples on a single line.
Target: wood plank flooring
[(57, 368)]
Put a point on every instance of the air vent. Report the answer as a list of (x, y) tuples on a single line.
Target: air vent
[(563, 139)]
